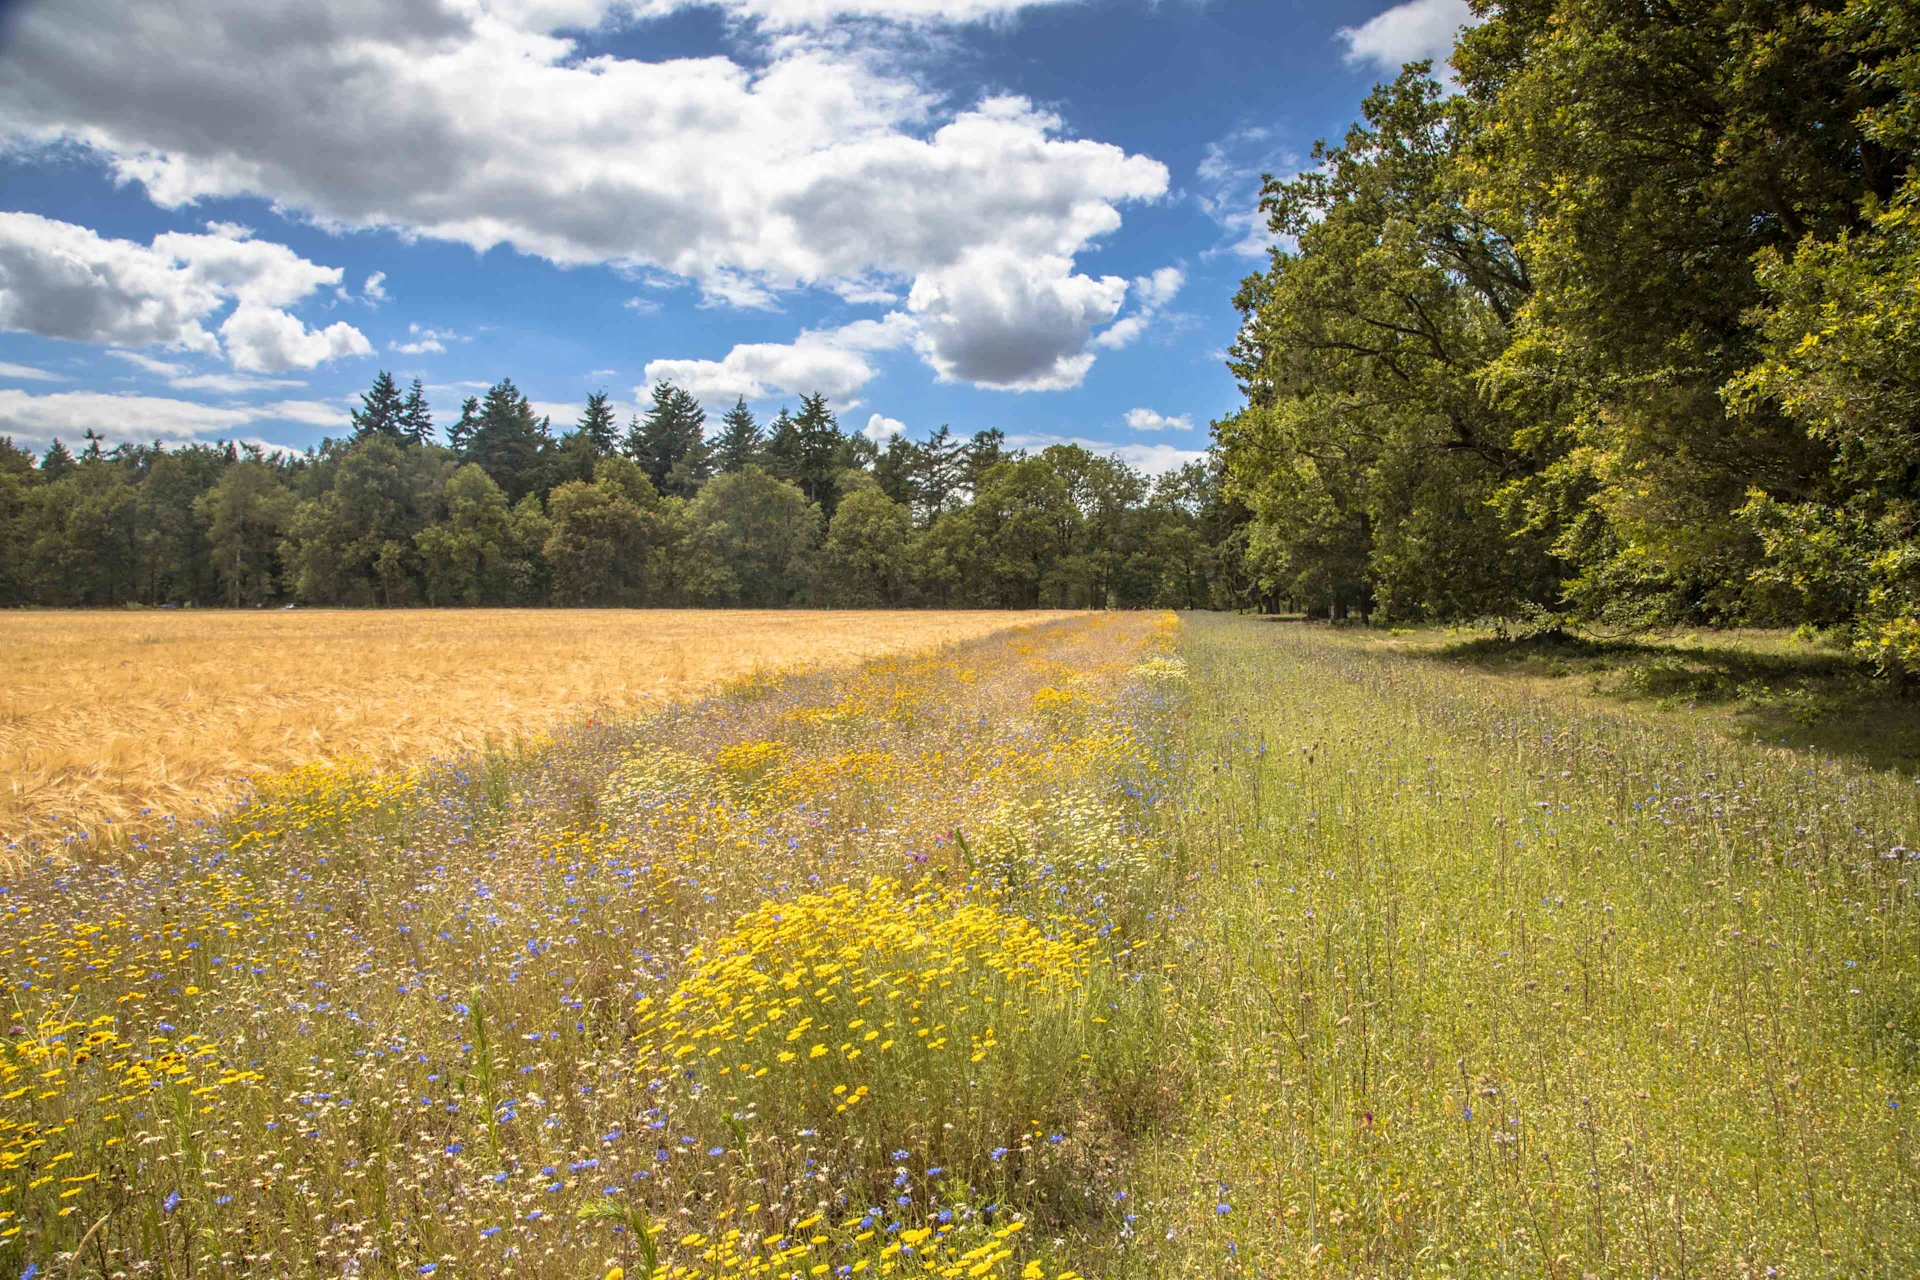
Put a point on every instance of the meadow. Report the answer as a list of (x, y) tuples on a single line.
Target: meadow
[(111, 721), (1122, 946)]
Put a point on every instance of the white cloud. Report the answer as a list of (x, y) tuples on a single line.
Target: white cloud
[(1011, 322), (1154, 459), (645, 306), (263, 340), (231, 383), (1229, 179), (425, 341), (1148, 420), (815, 163), (1150, 293), (1407, 33), (60, 280), (880, 428), (804, 13), (1160, 288), (160, 368), (830, 362), (313, 413), (27, 373), (36, 419), (375, 289)]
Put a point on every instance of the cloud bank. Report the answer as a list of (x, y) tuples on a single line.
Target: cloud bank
[(469, 121)]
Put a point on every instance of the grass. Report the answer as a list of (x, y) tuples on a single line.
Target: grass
[(110, 721), (1484, 978), (1123, 947), (1802, 688), (796, 976)]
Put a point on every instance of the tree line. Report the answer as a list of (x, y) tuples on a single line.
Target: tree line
[(1619, 327), (504, 510)]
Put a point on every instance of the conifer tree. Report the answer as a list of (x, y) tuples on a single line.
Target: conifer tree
[(670, 444), (818, 439), (740, 441), (380, 411), (596, 424), (508, 440), (460, 434), (416, 419), (57, 462)]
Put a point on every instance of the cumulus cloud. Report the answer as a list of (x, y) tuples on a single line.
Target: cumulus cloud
[(34, 420), (263, 340), (60, 280), (1148, 420), (1013, 323), (830, 362), (27, 373), (816, 165), (374, 291), (424, 341), (1407, 33), (1150, 294), (880, 428)]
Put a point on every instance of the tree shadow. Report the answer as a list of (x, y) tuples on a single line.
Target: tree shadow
[(1764, 685)]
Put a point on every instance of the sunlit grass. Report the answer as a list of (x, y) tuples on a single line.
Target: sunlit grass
[(1483, 982), (720, 991)]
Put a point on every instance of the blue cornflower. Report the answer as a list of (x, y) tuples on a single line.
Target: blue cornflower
[(171, 1203)]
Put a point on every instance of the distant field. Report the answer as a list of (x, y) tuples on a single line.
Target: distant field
[(103, 715)]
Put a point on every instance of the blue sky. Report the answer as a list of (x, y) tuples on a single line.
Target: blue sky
[(218, 220)]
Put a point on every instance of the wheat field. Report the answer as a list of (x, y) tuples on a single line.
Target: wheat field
[(111, 721)]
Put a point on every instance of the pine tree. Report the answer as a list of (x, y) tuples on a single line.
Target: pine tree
[(782, 450), (819, 439), (380, 411), (508, 440), (943, 461), (416, 419), (670, 444), (57, 462), (740, 439), (596, 424), (986, 450), (460, 434)]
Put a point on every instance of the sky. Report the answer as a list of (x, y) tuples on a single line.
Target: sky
[(220, 218)]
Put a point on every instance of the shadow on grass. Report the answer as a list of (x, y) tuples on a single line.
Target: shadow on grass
[(1768, 687)]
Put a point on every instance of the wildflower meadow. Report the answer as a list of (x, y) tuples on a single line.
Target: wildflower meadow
[(1128, 945)]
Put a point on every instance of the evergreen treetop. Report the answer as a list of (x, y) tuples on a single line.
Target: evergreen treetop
[(381, 408)]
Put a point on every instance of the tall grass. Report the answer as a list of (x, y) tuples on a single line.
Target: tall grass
[(112, 722), (716, 991), (1478, 983)]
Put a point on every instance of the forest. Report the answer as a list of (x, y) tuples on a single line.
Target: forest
[(504, 510), (1614, 322)]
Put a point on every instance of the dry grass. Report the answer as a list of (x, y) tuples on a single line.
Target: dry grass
[(108, 720)]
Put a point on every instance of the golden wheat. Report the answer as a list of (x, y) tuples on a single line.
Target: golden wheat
[(110, 720)]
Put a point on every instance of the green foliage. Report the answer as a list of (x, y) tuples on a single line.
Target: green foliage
[(869, 550), (750, 539), (596, 424), (1621, 332), (741, 442), (670, 444), (511, 516)]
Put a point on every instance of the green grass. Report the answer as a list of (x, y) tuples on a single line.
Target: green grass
[(1802, 688), (1479, 977), (1122, 948)]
